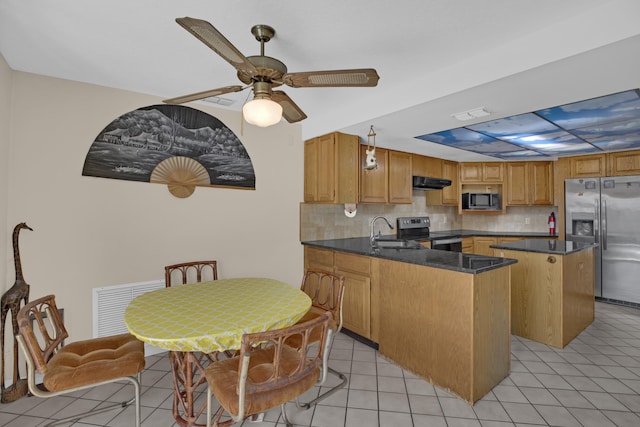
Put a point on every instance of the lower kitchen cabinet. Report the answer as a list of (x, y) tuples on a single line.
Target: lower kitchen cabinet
[(356, 304), (319, 259), (467, 245), (482, 245), (552, 295)]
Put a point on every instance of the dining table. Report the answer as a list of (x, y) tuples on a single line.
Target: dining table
[(200, 322)]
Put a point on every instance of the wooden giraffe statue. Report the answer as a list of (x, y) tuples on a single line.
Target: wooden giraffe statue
[(11, 301)]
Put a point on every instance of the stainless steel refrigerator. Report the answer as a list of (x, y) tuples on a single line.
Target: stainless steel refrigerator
[(606, 211)]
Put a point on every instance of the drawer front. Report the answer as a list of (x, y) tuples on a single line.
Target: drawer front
[(319, 259), (353, 263)]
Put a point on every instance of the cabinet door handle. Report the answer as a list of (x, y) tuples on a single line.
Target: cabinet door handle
[(551, 259)]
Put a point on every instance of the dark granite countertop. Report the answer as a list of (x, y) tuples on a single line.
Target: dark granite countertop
[(556, 247), (464, 263), (471, 233)]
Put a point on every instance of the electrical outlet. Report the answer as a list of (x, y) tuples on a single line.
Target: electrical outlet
[(527, 221)]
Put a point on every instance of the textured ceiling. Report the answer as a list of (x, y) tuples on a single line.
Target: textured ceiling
[(434, 57)]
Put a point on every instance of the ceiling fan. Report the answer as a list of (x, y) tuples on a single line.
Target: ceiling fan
[(263, 73)]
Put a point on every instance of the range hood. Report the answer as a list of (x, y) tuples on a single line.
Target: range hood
[(427, 183)]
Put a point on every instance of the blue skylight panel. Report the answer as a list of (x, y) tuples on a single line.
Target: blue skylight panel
[(459, 137), (605, 109), (514, 127), (566, 150), (522, 154)]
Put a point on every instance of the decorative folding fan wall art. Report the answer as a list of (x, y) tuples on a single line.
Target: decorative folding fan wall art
[(175, 145)]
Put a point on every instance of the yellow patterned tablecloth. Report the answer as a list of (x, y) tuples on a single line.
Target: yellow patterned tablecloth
[(212, 316)]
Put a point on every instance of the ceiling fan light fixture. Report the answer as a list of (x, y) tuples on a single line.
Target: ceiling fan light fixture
[(262, 112)]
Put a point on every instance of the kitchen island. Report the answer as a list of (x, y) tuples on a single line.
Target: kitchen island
[(442, 315), (552, 289)]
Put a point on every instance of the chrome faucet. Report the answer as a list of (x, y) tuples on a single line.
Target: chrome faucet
[(374, 237)]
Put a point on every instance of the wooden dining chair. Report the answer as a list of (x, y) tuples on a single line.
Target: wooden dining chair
[(268, 372), (326, 290), (190, 272), (77, 365)]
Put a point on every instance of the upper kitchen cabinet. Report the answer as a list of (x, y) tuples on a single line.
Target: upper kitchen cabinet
[(400, 177), (390, 181), (624, 163), (541, 183), (420, 165), (448, 196), (331, 168), (481, 172), (529, 183), (587, 166)]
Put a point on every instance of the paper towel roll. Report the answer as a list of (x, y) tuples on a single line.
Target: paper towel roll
[(350, 210)]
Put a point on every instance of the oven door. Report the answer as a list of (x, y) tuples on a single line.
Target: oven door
[(453, 244)]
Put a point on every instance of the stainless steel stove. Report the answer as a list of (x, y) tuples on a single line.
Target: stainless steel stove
[(417, 228), (413, 227)]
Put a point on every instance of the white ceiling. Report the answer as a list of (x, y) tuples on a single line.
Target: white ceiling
[(434, 57)]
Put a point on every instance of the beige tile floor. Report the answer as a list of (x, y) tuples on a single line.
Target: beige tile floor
[(594, 381)]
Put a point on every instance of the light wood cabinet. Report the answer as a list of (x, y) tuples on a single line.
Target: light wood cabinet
[(419, 165), (482, 245), (400, 177), (451, 194), (588, 166), (467, 245), (448, 327), (529, 183), (510, 239), (331, 169), (448, 196), (623, 163), (481, 172), (390, 182), (552, 297), (471, 172), (541, 183), (356, 304), (374, 183), (320, 259), (517, 184)]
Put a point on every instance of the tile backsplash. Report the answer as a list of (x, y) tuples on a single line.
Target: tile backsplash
[(328, 221)]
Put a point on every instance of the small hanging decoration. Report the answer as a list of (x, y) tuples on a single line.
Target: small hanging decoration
[(371, 161)]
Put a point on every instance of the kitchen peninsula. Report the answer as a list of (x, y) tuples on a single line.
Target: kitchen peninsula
[(442, 315), (552, 289)]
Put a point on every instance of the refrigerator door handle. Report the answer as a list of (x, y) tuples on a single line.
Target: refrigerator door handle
[(604, 225), (596, 226)]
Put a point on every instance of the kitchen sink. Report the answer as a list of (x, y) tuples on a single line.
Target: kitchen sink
[(396, 244)]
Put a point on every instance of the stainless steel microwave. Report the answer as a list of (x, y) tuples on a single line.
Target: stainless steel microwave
[(481, 201)]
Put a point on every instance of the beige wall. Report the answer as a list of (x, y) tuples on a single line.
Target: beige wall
[(5, 132), (93, 232)]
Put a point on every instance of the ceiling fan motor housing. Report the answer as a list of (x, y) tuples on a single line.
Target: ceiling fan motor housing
[(269, 70)]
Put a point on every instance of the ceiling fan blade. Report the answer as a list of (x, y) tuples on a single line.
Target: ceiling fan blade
[(290, 111), (207, 34), (363, 77), (204, 94)]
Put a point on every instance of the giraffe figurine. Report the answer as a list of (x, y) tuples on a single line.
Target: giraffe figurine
[(11, 301)]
